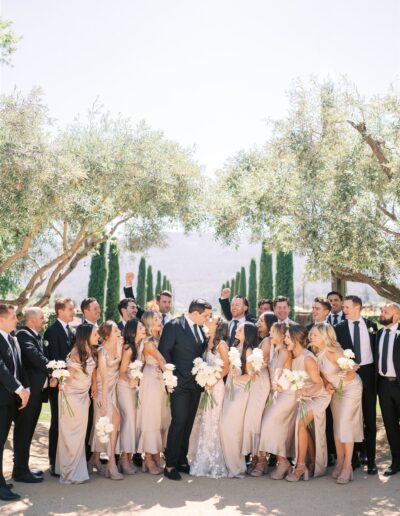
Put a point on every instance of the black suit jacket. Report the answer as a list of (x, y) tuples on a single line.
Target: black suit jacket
[(128, 291), (330, 319), (226, 310), (121, 327), (344, 338), (396, 352), (33, 360), (179, 347), (59, 345), (8, 383)]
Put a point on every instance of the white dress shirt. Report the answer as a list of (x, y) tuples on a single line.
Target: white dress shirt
[(191, 324), (390, 365), (365, 343), (340, 317), (6, 336), (240, 321), (167, 317), (64, 325)]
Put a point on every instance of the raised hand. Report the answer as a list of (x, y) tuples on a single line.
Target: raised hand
[(129, 277), (226, 293)]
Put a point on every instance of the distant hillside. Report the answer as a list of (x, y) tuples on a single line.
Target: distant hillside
[(197, 266)]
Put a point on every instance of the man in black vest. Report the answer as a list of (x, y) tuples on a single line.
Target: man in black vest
[(182, 340), (14, 386), (35, 364), (358, 334), (58, 340), (387, 360)]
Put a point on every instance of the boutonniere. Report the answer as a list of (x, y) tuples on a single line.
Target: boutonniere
[(45, 343), (206, 331), (15, 340), (398, 333), (370, 329)]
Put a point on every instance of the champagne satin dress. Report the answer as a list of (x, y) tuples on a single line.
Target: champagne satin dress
[(347, 411), (71, 457), (127, 402)]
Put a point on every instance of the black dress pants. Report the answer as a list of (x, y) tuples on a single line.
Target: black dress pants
[(368, 376), (7, 415), (389, 400), (53, 430)]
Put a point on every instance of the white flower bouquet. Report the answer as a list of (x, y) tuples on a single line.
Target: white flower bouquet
[(170, 381), (104, 427), (60, 372), (256, 362), (206, 376), (235, 363), (345, 363), (135, 373), (294, 380)]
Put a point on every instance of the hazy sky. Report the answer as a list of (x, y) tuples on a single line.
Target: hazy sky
[(207, 72)]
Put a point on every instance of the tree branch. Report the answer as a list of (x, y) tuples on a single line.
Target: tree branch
[(26, 244), (381, 287)]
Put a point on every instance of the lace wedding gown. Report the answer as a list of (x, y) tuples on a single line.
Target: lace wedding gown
[(205, 451)]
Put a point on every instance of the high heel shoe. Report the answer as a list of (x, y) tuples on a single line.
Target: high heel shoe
[(337, 470), (113, 473), (259, 468), (299, 472), (280, 471), (95, 464), (344, 478), (252, 464), (157, 461), (126, 467), (149, 466)]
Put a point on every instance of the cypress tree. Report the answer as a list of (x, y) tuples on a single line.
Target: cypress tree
[(266, 281), (242, 284), (237, 284), (149, 284), (232, 289), (159, 283), (164, 283), (141, 283), (98, 276), (253, 287), (284, 277), (113, 287)]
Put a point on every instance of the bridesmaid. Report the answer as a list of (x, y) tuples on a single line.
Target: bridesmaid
[(233, 411), (71, 457), (154, 416), (279, 419), (205, 448), (259, 392), (347, 411), (105, 403), (134, 333), (311, 443)]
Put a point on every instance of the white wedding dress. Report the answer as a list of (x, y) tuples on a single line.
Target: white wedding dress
[(205, 452)]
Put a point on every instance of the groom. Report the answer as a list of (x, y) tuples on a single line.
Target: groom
[(183, 340)]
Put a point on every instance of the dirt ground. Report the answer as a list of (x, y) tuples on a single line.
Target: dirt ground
[(150, 496)]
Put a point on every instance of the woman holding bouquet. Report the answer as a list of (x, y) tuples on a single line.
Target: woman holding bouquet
[(346, 402), (154, 414), (312, 401), (259, 391), (279, 419), (105, 403), (71, 458), (235, 402), (205, 451), (134, 333)]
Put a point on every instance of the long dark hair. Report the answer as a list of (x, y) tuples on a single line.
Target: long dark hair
[(298, 334), (250, 341), (130, 331), (221, 333), (269, 318), (83, 333)]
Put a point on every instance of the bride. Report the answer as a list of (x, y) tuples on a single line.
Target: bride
[(205, 451)]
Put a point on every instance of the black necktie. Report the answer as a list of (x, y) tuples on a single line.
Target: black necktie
[(385, 349), (356, 342), (15, 355), (335, 316), (233, 331), (39, 340), (163, 318), (70, 335), (197, 334)]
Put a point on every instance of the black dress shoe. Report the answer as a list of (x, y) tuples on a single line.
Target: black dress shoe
[(331, 459), (7, 495), (53, 472), (137, 460), (28, 478), (184, 468), (37, 473), (10, 486), (173, 474), (391, 470), (372, 469)]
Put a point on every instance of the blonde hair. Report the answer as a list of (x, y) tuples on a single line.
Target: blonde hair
[(280, 329), (148, 321), (328, 336)]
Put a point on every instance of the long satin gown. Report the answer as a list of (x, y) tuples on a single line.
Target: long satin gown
[(279, 420), (154, 413), (71, 457), (205, 451), (112, 374), (318, 404), (346, 412), (258, 395), (127, 403), (231, 427)]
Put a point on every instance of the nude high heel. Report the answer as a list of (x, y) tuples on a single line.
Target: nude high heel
[(113, 473), (124, 466), (300, 471), (280, 471), (337, 470), (343, 478), (149, 466)]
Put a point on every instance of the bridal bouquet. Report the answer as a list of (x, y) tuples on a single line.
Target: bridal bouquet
[(104, 427), (170, 381), (235, 362), (60, 372), (294, 380), (283, 382), (206, 376), (256, 361), (345, 363), (135, 373)]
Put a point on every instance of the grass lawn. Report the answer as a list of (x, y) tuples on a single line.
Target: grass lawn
[(45, 414)]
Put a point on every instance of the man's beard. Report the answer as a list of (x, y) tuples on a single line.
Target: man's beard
[(386, 322)]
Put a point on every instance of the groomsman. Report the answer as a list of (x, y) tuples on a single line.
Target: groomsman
[(91, 311), (336, 301), (281, 307), (236, 312), (60, 338), (182, 340), (164, 301), (127, 310), (265, 305), (358, 334), (387, 359), (14, 387), (320, 311), (128, 291), (35, 364)]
